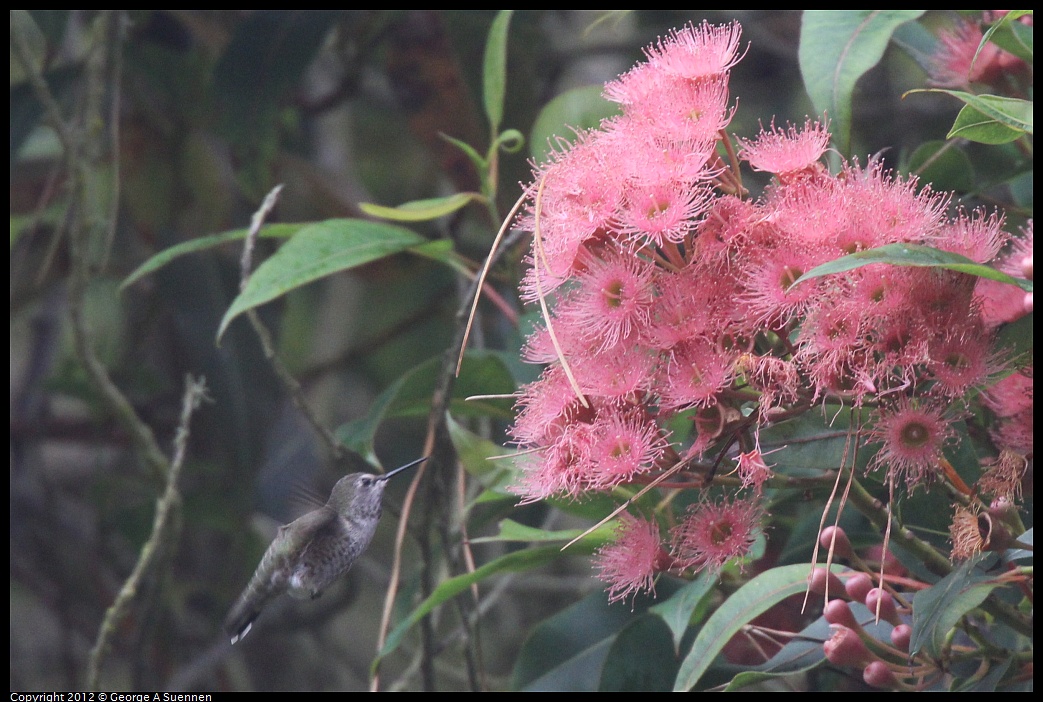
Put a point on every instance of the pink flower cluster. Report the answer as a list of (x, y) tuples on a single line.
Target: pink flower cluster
[(961, 60), (667, 291)]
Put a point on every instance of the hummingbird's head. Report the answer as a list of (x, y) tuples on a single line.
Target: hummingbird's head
[(360, 493)]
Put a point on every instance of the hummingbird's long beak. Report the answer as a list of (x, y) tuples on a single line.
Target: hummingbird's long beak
[(402, 468)]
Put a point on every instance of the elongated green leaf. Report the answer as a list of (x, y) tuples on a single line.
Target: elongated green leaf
[(421, 210), (1011, 35), (753, 598), (837, 47), (512, 562), (442, 251), (316, 251), (913, 255), (410, 396), (676, 612), (640, 659), (483, 460), (1012, 113), (570, 650), (512, 531), (937, 609), (574, 110), (271, 231), (481, 165), (494, 73)]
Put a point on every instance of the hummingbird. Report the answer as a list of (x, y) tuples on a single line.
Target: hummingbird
[(308, 554)]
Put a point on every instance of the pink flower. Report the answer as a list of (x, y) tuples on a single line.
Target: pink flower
[(670, 110), (697, 52), (579, 193), (661, 211), (714, 533), (695, 374), (976, 236), (612, 299), (912, 435), (775, 378), (1002, 302), (884, 209), (960, 360), (752, 469), (957, 62), (1012, 400), (787, 153), (771, 297), (626, 444), (621, 372), (630, 563), (546, 408)]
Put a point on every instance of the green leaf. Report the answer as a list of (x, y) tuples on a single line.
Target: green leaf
[(441, 251), (1014, 113), (813, 443), (270, 231), (677, 611), (410, 396), (943, 165), (422, 210), (974, 125), (939, 608), (574, 110), (754, 598), (516, 561), (990, 119), (837, 47), (476, 454), (479, 162), (569, 650), (512, 531), (316, 251), (640, 659), (913, 255), (1010, 35), (494, 70)]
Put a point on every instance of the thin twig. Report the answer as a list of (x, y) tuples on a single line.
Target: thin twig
[(482, 276), (666, 474), (341, 454), (160, 546)]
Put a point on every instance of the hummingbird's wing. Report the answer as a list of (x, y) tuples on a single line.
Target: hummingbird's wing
[(329, 553), (275, 570)]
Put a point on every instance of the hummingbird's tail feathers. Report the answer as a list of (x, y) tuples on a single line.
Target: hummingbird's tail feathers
[(243, 615), (241, 634)]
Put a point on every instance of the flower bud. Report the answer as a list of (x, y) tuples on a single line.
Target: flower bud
[(835, 538), (858, 586), (845, 648), (887, 609), (824, 582), (901, 635), (877, 674), (837, 612)]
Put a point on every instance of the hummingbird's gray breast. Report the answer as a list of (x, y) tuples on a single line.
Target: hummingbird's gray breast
[(329, 555)]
